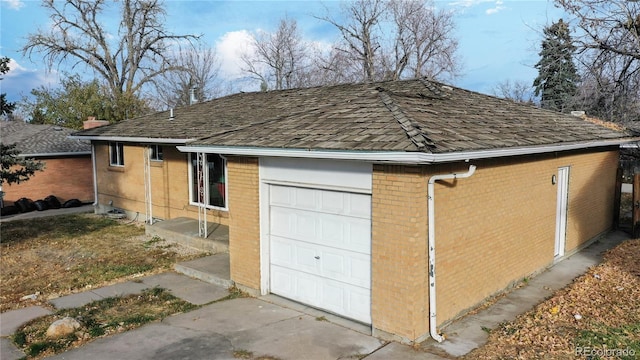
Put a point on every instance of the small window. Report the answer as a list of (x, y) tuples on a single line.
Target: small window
[(116, 154), (156, 153)]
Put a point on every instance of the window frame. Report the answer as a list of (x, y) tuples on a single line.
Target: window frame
[(156, 150), (117, 148), (192, 174)]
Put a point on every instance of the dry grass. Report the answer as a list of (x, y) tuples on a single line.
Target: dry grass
[(99, 318), (600, 310), (56, 256)]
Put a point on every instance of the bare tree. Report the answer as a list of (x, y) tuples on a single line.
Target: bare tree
[(610, 87), (517, 90), (424, 44), (201, 67), (277, 59), (607, 25), (608, 45), (398, 39), (136, 57), (360, 36)]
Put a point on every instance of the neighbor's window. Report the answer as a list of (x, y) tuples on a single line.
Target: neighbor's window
[(116, 154), (156, 153), (214, 181)]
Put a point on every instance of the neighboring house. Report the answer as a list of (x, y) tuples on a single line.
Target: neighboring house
[(68, 167), (344, 197)]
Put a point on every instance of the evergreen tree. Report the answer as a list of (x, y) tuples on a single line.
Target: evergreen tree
[(557, 79), (6, 108), (14, 168)]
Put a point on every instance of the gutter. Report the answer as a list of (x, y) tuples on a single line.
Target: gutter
[(149, 140), (405, 157), (432, 245)]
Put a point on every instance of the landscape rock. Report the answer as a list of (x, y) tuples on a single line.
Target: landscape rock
[(63, 327)]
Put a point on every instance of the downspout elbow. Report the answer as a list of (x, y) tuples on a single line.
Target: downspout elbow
[(433, 332)]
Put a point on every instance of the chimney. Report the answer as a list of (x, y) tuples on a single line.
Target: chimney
[(91, 123)]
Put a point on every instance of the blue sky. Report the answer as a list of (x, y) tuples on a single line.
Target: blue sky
[(499, 39)]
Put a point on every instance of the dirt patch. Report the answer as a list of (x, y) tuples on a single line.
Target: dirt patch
[(45, 258), (599, 314)]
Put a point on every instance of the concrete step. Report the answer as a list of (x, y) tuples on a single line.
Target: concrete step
[(213, 269), (185, 231)]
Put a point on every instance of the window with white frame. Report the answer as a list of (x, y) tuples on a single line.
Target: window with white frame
[(116, 154), (214, 179), (156, 153)]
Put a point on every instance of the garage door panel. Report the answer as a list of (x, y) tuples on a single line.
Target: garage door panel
[(360, 205), (342, 299), (334, 202), (334, 296), (340, 265), (294, 255), (280, 195), (323, 229), (297, 285)]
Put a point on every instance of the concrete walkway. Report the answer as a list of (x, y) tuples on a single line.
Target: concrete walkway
[(46, 213), (272, 327)]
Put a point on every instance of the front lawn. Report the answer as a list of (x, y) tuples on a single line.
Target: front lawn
[(45, 258)]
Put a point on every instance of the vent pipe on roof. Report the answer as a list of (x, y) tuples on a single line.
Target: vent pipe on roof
[(192, 95), (171, 117)]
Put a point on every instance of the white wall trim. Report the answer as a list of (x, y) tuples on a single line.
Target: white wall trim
[(265, 242), (402, 157)]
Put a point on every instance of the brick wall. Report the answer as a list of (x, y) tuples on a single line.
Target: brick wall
[(169, 184), (244, 222), (498, 226), (492, 229), (65, 177), (399, 283)]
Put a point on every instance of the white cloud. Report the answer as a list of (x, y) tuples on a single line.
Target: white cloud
[(468, 3), (14, 68), (229, 48), (13, 4), (496, 9), (20, 80)]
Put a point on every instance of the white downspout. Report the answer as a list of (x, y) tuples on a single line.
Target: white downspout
[(432, 246), (95, 174)]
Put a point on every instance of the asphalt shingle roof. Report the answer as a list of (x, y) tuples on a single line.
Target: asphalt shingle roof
[(41, 139), (407, 116)]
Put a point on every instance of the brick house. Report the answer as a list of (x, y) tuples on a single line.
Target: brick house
[(348, 198), (68, 168)]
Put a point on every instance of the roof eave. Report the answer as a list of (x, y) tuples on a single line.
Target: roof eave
[(73, 153), (402, 157), (149, 140)]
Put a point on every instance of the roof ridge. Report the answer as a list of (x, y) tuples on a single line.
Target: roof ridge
[(437, 92), (417, 137)]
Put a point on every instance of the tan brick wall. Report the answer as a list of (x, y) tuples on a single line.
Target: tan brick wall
[(244, 222), (499, 225), (491, 229), (169, 184), (399, 282), (66, 178)]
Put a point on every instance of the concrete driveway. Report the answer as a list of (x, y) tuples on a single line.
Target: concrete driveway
[(240, 327)]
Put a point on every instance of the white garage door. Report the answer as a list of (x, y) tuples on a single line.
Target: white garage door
[(321, 249)]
